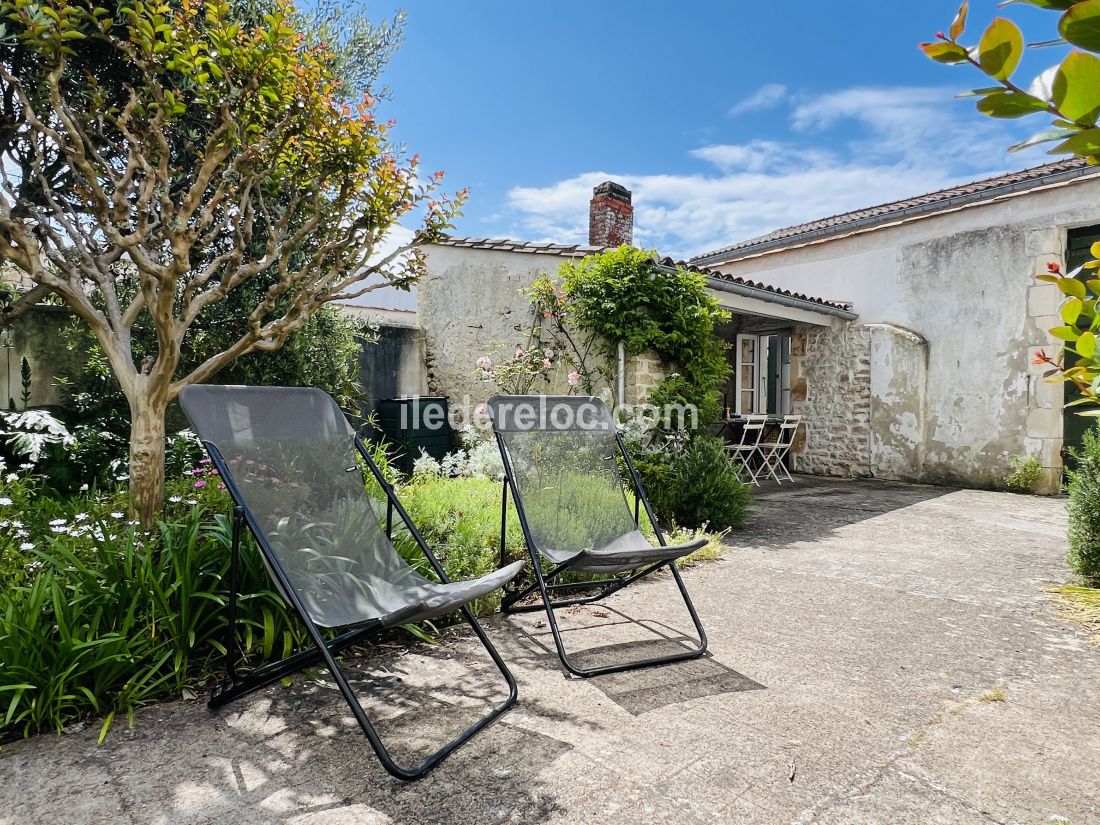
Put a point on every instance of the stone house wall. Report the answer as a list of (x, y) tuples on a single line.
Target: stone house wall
[(963, 283), (831, 390)]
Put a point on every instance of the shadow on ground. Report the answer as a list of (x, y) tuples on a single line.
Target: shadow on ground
[(296, 755), (601, 627), (814, 508)]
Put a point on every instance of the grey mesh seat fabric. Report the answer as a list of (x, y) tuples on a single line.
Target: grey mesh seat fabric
[(295, 470), (566, 471), (291, 454), (561, 459)]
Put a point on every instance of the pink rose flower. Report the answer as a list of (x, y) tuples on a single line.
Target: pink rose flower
[(574, 378)]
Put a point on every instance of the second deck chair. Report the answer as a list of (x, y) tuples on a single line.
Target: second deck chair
[(560, 462), (290, 461)]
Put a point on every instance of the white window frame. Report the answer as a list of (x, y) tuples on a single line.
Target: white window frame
[(757, 374), (762, 345)]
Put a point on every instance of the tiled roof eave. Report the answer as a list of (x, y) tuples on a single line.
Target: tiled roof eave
[(877, 217), (767, 292)]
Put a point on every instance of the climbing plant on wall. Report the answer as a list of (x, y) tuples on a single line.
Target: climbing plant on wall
[(625, 295)]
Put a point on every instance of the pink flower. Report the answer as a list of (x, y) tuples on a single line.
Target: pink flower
[(574, 378), (481, 410), (485, 362), (200, 483), (546, 362), (519, 352)]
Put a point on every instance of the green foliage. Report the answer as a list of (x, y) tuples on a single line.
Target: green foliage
[(1084, 509), (25, 381), (1024, 474), (624, 295), (323, 353), (697, 486), (113, 618), (1069, 93), (194, 181), (81, 457), (98, 617), (460, 520)]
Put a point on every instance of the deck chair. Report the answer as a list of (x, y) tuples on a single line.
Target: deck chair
[(560, 458), (290, 461)]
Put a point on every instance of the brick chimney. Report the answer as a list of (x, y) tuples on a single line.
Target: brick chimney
[(610, 215)]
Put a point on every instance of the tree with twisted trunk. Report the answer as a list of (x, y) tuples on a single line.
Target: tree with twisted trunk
[(158, 157)]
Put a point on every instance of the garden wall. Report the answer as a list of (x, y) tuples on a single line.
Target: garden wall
[(37, 335), (393, 365)]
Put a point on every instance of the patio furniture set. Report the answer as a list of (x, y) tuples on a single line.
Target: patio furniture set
[(297, 473), (761, 445)]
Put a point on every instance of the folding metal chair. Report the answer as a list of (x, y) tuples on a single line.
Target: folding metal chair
[(775, 453), (560, 463), (290, 460), (748, 450)]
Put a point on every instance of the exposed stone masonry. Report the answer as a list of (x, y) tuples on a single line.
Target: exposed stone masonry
[(831, 389)]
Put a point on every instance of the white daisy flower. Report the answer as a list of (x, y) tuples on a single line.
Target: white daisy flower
[(27, 545), (58, 522), (5, 501), (117, 514)]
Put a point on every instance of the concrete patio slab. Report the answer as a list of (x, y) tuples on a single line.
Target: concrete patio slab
[(880, 653)]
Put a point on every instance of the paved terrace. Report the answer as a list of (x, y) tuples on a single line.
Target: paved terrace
[(861, 635)]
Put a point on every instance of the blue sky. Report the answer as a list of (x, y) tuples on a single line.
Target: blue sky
[(727, 119)]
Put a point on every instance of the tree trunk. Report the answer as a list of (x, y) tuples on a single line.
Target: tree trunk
[(146, 460)]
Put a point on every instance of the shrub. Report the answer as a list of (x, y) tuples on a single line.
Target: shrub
[(460, 520), (696, 487), (98, 617), (1084, 508), (1024, 474), (113, 618)]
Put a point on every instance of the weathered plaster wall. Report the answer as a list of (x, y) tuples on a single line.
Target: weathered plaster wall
[(471, 303), (392, 365), (964, 282), (899, 382), (37, 334)]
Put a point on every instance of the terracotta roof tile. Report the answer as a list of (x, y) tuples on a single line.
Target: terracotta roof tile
[(581, 250), (732, 279), (926, 204)]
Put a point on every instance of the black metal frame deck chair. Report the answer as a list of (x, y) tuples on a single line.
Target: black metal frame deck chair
[(560, 463), (288, 457)]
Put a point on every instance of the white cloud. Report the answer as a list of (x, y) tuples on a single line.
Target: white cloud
[(767, 96), (845, 150), (752, 157)]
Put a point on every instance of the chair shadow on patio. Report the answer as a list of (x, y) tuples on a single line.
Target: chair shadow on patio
[(635, 691), (296, 755)]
